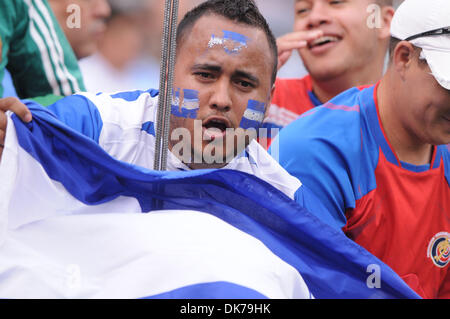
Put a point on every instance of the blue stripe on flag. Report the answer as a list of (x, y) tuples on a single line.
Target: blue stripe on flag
[(80, 112), (133, 95), (149, 127), (214, 290)]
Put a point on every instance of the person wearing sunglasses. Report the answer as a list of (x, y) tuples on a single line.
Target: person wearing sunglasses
[(377, 158)]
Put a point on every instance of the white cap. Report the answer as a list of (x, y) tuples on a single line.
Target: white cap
[(414, 17)]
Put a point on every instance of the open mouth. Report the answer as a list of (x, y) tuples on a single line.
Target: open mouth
[(215, 127), (326, 39), (217, 124)]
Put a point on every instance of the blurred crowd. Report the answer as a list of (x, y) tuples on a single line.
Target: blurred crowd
[(129, 48)]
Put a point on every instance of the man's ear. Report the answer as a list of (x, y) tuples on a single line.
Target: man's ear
[(403, 57), (387, 13)]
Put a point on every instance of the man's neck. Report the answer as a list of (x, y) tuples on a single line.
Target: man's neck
[(407, 146), (327, 89)]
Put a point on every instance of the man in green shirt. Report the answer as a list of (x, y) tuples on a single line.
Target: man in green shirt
[(35, 50)]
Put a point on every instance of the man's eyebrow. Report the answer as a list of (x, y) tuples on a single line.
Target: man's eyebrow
[(244, 74), (209, 67), (218, 68)]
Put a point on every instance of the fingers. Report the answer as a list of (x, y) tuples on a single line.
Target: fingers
[(302, 35), (290, 45), (11, 104), (16, 106), (294, 41), (297, 39)]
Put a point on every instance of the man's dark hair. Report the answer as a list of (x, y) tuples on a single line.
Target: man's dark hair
[(392, 44), (241, 11)]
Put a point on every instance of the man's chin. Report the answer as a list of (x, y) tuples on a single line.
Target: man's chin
[(324, 68), (206, 166), (327, 75), (210, 158), (209, 154)]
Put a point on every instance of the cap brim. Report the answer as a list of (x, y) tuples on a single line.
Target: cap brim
[(439, 65)]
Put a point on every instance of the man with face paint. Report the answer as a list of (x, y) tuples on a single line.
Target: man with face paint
[(226, 65), (377, 156), (224, 74)]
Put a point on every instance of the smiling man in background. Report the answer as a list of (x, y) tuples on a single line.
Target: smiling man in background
[(341, 43)]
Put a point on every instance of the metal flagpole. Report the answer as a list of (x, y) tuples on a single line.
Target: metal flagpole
[(168, 51)]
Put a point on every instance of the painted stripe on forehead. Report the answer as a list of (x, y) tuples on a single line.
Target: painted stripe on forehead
[(234, 36), (232, 42)]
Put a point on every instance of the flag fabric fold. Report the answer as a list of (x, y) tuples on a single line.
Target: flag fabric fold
[(77, 223)]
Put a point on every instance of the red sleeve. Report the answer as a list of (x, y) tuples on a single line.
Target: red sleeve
[(291, 99)]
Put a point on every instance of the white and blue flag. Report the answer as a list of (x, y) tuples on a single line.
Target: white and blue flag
[(76, 223)]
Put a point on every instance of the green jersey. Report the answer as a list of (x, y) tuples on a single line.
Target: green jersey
[(35, 50)]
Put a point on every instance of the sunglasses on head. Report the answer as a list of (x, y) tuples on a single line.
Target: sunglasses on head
[(439, 31)]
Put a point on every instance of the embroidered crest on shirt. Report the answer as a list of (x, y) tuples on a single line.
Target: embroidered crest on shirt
[(439, 249)]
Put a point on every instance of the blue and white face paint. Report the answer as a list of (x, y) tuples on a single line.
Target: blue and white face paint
[(253, 115), (232, 42), (187, 107)]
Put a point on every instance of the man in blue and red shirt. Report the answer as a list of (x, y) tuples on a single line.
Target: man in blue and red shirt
[(377, 156)]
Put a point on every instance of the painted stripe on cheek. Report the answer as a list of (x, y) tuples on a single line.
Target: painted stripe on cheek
[(253, 115), (188, 107)]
